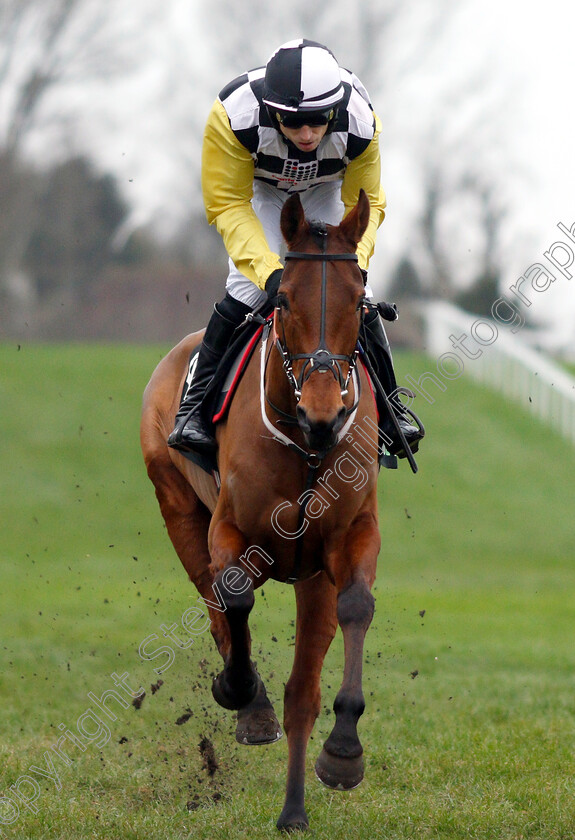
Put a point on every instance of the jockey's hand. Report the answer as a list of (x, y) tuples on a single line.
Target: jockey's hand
[(388, 311), (273, 283)]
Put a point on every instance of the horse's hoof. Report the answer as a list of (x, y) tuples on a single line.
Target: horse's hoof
[(233, 700), (257, 722), (339, 773), (293, 819)]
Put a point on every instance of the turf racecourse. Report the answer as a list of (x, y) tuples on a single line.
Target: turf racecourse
[(469, 677)]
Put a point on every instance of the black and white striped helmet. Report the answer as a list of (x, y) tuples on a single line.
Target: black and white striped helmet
[(302, 76)]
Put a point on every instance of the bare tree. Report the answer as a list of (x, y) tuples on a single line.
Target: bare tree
[(46, 46), (26, 82), (438, 271), (461, 150)]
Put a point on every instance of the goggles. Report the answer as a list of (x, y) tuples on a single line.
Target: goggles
[(311, 118)]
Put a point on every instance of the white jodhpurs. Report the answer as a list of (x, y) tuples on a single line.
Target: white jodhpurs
[(321, 203)]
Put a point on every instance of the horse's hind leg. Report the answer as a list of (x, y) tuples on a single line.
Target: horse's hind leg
[(340, 763), (316, 627)]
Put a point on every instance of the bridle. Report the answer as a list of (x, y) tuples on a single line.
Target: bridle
[(322, 359)]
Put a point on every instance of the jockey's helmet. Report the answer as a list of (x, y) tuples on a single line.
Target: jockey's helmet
[(302, 84)]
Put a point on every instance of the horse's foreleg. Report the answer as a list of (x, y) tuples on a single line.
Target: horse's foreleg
[(187, 522), (233, 586), (316, 627), (340, 763)]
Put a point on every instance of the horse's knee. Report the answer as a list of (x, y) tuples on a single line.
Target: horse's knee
[(236, 590), (355, 605)]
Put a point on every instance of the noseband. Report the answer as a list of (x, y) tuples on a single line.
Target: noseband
[(321, 359)]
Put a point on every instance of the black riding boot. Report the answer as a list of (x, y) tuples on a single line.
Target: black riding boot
[(189, 431), (379, 353)]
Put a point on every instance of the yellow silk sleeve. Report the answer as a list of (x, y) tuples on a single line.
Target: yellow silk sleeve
[(227, 186), (365, 172)]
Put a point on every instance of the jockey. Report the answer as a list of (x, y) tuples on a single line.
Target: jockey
[(300, 124)]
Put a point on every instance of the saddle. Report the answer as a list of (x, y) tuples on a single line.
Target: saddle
[(219, 393)]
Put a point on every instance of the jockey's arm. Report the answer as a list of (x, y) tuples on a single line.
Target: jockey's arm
[(227, 185), (365, 172)]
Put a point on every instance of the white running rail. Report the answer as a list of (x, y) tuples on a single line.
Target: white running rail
[(506, 364)]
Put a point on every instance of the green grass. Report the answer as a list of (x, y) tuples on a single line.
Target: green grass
[(477, 744)]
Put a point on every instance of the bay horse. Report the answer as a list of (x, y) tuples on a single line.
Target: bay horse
[(297, 503)]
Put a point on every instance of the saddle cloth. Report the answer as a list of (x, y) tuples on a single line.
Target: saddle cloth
[(221, 389), (219, 393)]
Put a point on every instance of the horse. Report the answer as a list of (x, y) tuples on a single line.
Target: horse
[(298, 469)]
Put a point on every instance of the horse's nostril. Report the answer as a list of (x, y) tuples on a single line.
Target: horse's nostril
[(301, 415)]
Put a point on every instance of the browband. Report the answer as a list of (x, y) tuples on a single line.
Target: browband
[(300, 255)]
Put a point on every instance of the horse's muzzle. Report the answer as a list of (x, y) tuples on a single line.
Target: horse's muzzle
[(321, 434)]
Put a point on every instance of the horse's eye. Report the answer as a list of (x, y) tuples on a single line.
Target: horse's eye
[(282, 301)]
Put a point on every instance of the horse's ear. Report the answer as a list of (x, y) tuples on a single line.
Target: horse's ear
[(292, 220), (355, 223)]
